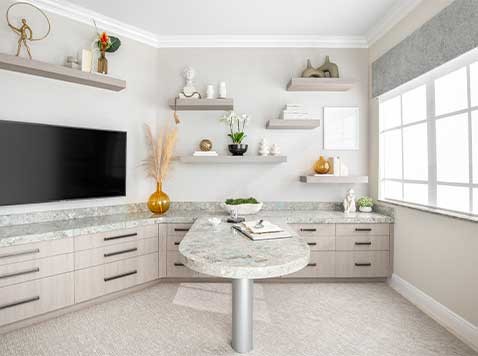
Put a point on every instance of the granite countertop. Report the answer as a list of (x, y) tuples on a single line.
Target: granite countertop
[(221, 251), (52, 230)]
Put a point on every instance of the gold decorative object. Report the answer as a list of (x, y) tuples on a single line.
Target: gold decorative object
[(24, 31), (326, 70), (102, 63), (159, 201), (205, 145), (322, 166), (157, 165)]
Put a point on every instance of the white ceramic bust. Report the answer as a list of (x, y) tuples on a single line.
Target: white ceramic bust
[(189, 91), (349, 202)]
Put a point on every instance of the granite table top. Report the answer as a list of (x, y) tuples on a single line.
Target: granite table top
[(53, 230), (221, 251)]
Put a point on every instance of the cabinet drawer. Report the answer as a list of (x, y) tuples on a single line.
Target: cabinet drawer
[(176, 268), (362, 264), (314, 229), (33, 251), (320, 243), (26, 271), (115, 237), (173, 242), (111, 277), (363, 243), (362, 229), (25, 300), (122, 251), (321, 264), (178, 229)]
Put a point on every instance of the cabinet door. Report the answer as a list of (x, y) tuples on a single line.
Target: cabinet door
[(176, 266), (321, 265), (34, 251), (365, 264)]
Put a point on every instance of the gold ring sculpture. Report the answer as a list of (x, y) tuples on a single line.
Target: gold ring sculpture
[(24, 31)]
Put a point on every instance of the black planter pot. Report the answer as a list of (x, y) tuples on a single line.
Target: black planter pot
[(237, 149)]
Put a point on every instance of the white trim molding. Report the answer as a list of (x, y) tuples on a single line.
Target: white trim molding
[(460, 327), (77, 13), (393, 17)]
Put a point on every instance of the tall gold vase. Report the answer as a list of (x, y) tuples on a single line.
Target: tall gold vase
[(159, 201)]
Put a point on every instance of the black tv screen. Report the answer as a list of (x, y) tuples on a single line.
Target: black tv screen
[(44, 163)]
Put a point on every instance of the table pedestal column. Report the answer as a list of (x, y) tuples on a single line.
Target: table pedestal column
[(242, 305)]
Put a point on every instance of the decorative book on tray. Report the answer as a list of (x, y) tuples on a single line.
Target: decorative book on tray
[(261, 230)]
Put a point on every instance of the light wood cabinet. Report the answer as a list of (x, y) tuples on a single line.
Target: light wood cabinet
[(363, 243), (176, 266), (25, 300), (362, 229), (362, 264), (33, 251), (321, 265)]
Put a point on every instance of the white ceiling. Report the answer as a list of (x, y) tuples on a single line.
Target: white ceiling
[(351, 19)]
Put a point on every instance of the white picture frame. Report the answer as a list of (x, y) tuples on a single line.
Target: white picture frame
[(341, 128)]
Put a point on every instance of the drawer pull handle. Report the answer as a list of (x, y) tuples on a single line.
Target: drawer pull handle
[(179, 264), (119, 237), (358, 229), (181, 229), (308, 230), (121, 275), (20, 302), (312, 265), (120, 252), (312, 243), (177, 243), (20, 273), (363, 264), (363, 244), (21, 253)]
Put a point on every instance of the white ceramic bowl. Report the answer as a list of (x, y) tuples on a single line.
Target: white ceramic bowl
[(243, 209), (365, 209)]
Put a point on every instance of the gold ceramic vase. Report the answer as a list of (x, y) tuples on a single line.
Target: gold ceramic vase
[(322, 166), (159, 201), (102, 63)]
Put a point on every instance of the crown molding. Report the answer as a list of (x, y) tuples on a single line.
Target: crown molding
[(393, 17), (86, 16)]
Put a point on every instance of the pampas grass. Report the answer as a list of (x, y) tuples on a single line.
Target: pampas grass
[(160, 152)]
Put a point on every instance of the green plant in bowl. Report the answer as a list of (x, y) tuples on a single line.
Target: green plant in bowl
[(365, 204), (242, 206), (241, 201)]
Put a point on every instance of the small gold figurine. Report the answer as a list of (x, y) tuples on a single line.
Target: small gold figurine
[(24, 31)]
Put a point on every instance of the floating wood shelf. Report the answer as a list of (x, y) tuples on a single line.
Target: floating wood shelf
[(320, 84), (58, 72), (329, 179), (279, 124), (202, 104), (233, 159)]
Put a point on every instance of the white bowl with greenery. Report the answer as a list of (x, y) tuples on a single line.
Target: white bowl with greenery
[(365, 204), (241, 206)]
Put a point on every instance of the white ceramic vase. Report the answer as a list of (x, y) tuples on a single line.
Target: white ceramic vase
[(222, 90), (210, 92)]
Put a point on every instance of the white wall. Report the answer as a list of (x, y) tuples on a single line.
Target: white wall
[(256, 79), (436, 254)]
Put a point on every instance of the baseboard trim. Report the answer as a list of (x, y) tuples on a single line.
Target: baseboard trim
[(461, 328)]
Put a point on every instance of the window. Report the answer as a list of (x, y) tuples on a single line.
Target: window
[(429, 140)]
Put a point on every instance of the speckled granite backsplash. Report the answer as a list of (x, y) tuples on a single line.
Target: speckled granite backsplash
[(66, 214)]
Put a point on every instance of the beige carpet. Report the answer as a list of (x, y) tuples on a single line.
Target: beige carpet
[(290, 320)]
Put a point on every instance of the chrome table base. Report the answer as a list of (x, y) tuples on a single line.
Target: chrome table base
[(242, 306)]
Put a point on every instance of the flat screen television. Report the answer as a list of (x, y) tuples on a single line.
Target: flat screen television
[(43, 163)]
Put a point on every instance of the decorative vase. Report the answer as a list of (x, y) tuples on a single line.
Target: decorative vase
[(237, 149), (159, 201), (322, 166), (211, 91), (102, 63), (222, 90), (365, 209)]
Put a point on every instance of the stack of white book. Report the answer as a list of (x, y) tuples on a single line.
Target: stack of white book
[(263, 231), (294, 112), (205, 153)]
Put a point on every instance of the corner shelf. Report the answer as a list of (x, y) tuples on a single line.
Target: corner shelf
[(279, 124), (202, 104), (232, 159), (320, 84), (58, 72), (329, 179)]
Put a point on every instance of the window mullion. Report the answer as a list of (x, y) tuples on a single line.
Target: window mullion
[(470, 138), (401, 137), (431, 144)]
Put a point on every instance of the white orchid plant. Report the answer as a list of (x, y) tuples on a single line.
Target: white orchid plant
[(236, 124)]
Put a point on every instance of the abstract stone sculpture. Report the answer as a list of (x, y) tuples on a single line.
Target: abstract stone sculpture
[(327, 70)]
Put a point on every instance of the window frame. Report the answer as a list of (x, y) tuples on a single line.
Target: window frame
[(428, 80)]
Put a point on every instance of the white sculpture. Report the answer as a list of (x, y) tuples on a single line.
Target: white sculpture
[(275, 150), (349, 202), (263, 148), (189, 91)]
